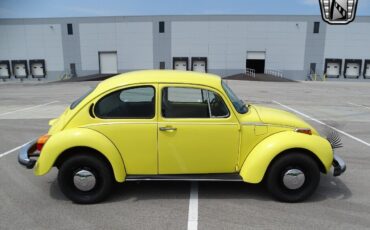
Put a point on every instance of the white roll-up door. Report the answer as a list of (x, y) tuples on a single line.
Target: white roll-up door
[(332, 69), (20, 70), (108, 62), (256, 55), (180, 65), (367, 69), (4, 71), (37, 69), (353, 70), (199, 66)]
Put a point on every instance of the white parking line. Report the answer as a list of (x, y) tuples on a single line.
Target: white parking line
[(12, 150), (193, 207), (322, 123), (358, 105), (28, 108)]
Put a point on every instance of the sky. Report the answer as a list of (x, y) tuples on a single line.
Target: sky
[(83, 8)]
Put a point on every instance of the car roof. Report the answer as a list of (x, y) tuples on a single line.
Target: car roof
[(161, 76)]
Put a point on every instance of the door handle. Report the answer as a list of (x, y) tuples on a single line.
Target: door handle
[(167, 128)]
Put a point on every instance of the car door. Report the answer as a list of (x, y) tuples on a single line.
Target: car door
[(197, 132), (128, 118)]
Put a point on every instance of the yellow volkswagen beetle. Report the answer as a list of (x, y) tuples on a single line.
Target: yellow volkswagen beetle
[(173, 125)]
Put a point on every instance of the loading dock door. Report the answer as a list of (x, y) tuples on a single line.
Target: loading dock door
[(20, 70), (367, 70), (256, 60), (180, 65), (199, 66), (37, 68), (332, 69), (353, 70), (4, 71), (108, 62)]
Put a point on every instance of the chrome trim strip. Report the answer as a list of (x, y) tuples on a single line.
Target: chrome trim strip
[(191, 177), (266, 124)]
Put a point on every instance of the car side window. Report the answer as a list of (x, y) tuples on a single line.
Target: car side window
[(138, 102), (181, 102), (217, 105)]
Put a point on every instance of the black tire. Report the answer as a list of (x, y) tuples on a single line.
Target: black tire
[(293, 160), (98, 167)]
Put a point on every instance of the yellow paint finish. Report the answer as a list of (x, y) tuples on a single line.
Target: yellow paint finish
[(203, 145), (79, 137), (246, 142), (136, 141), (281, 118), (258, 160)]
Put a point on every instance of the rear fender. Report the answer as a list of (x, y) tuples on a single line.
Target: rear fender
[(79, 137)]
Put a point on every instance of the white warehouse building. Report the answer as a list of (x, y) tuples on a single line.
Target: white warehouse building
[(294, 46)]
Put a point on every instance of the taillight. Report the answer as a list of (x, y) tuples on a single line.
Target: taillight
[(304, 130), (41, 141)]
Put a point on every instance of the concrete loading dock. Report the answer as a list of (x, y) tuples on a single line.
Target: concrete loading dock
[(20, 69), (352, 68), (5, 72)]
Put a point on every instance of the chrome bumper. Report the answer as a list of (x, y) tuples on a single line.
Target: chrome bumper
[(339, 165), (24, 155)]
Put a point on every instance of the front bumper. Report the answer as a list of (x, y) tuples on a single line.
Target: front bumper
[(25, 154), (339, 165)]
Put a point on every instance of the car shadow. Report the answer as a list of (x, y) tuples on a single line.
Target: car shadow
[(329, 188)]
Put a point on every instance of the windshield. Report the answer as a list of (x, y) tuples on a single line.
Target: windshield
[(76, 102), (237, 103)]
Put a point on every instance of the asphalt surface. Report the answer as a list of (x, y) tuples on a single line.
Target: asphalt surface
[(30, 202)]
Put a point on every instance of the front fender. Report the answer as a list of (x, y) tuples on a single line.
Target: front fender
[(79, 137), (257, 162)]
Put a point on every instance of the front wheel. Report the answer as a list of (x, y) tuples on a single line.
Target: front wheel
[(293, 177), (85, 179)]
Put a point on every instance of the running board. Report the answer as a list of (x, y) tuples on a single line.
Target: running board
[(187, 177)]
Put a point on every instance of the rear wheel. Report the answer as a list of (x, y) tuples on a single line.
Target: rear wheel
[(293, 177), (85, 179)]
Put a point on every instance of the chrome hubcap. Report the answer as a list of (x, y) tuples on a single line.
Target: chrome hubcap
[(84, 180), (293, 179)]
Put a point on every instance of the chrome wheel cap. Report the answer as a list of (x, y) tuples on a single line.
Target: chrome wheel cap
[(293, 179), (84, 180)]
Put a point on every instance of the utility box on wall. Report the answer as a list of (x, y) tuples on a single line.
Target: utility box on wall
[(5, 72), (19, 68), (37, 68)]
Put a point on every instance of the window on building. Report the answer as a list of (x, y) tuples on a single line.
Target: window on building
[(138, 102), (162, 65), (316, 27), (69, 29), (180, 102), (161, 27)]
